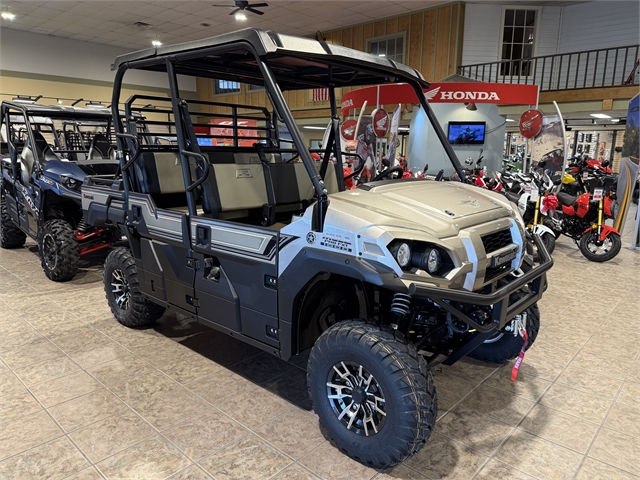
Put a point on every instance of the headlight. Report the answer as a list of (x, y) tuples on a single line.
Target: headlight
[(434, 261), (402, 252), (69, 182)]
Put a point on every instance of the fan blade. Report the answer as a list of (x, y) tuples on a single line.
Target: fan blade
[(235, 11), (258, 5), (257, 12)]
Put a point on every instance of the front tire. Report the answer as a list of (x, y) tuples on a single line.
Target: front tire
[(597, 251), (58, 249), (10, 235), (373, 393), (122, 288), (504, 346)]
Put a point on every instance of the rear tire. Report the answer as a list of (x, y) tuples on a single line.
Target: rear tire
[(609, 249), (549, 241), (122, 288), (58, 250), (389, 376), (10, 235)]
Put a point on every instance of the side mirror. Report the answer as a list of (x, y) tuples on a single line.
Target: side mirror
[(468, 161), (542, 163), (606, 163), (426, 167)]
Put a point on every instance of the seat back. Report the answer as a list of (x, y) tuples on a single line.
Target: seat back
[(27, 162), (160, 173), (305, 186), (42, 148), (99, 147), (240, 185)]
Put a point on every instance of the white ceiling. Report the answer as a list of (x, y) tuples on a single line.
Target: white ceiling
[(112, 22)]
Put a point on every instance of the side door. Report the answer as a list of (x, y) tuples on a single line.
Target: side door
[(236, 280)]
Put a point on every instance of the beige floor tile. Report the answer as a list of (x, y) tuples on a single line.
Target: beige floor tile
[(205, 433), (610, 366), (538, 457), (168, 408), (566, 430), (90, 348), (297, 472), (249, 458), (593, 469), (574, 402), (27, 432), (135, 388), (295, 433), (27, 353), (475, 430), (526, 386), (87, 474), (617, 449), (9, 382), (218, 386), (192, 472), (111, 435), (625, 418), (46, 370), (164, 354), (17, 403), (446, 459), (451, 390), (119, 371), (190, 369), (589, 382), (255, 408), (629, 394), (87, 409), (64, 388), (495, 470), (497, 404), (155, 458), (14, 326), (53, 460)]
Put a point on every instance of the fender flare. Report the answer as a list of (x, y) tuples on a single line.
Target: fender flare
[(540, 229), (605, 232)]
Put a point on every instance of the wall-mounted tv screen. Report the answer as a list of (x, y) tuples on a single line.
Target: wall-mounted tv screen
[(466, 133)]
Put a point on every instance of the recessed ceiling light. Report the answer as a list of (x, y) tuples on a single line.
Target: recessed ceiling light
[(309, 127), (156, 43), (241, 16), (509, 120), (600, 115), (381, 55), (204, 24), (8, 16)]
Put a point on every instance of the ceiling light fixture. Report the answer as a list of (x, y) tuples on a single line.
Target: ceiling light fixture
[(156, 43), (241, 16), (95, 105), (600, 115), (59, 102), (381, 55), (509, 120), (309, 127), (615, 120), (7, 15)]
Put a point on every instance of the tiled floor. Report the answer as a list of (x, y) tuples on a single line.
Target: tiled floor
[(84, 398)]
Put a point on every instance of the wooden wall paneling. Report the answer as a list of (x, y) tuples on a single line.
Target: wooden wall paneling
[(336, 37), (453, 40), (378, 28), (460, 38), (367, 33), (391, 26), (357, 37), (442, 42), (414, 42), (429, 45), (346, 37), (403, 24)]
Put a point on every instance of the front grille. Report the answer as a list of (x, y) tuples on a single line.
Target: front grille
[(496, 241), (493, 272)]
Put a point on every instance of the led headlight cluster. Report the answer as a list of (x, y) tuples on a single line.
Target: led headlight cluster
[(70, 182), (418, 255)]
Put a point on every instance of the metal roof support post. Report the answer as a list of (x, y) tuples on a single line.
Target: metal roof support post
[(335, 125)]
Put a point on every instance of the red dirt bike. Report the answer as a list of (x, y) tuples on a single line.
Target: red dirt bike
[(583, 218)]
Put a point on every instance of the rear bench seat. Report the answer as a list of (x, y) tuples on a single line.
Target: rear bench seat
[(237, 180)]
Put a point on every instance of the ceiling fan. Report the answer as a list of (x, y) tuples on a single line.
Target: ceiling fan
[(242, 5)]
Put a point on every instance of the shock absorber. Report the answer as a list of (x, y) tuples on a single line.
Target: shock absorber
[(400, 308)]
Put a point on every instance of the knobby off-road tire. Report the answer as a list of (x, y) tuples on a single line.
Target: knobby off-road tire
[(58, 249), (504, 346), (613, 242), (379, 364), (122, 288), (549, 242), (10, 235)]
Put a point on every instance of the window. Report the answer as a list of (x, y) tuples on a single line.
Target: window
[(225, 86), (518, 41), (391, 47), (255, 87)]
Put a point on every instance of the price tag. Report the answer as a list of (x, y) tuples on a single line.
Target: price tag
[(585, 175), (527, 188), (597, 194)]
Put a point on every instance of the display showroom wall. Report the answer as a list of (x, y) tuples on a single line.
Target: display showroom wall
[(425, 149), (35, 64)]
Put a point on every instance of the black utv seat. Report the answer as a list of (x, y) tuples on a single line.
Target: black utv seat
[(513, 197), (100, 147), (566, 199), (40, 151)]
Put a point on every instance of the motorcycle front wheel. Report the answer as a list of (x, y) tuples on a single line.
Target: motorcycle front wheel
[(600, 251)]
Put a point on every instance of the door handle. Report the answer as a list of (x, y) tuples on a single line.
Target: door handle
[(202, 236), (136, 213)]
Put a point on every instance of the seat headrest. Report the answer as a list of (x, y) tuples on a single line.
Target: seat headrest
[(100, 143)]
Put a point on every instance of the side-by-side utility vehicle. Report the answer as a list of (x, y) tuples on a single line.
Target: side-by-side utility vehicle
[(244, 231), (50, 151)]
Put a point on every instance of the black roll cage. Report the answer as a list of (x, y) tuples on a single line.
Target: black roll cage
[(274, 93)]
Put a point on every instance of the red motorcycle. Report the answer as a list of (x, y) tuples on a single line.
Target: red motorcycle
[(583, 218)]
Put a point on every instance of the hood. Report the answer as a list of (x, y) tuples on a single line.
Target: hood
[(54, 168), (440, 208)]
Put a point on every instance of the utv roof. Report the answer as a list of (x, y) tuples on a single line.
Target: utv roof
[(58, 111), (297, 63)]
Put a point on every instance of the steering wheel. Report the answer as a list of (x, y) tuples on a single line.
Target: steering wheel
[(387, 172)]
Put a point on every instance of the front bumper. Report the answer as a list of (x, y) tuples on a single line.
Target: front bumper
[(502, 309)]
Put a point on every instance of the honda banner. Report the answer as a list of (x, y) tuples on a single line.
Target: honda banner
[(394, 141)]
